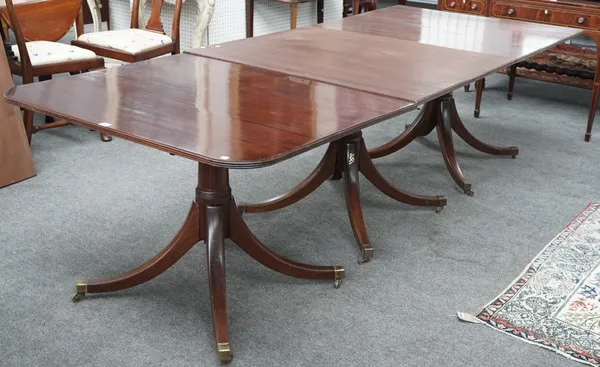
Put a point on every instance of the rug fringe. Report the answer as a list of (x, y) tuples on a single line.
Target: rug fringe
[(467, 317)]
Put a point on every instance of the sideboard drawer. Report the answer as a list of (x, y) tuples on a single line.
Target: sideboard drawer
[(545, 15), (475, 7)]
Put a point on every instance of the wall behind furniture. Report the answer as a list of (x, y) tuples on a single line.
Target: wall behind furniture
[(229, 20)]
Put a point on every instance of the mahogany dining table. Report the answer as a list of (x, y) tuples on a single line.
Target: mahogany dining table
[(256, 102)]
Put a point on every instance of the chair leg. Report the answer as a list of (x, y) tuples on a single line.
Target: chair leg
[(293, 15), (320, 11), (512, 74), (479, 86)]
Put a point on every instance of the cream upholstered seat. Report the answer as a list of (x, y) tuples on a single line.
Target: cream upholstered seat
[(132, 41), (45, 53)]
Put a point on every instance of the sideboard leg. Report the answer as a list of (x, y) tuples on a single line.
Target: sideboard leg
[(512, 74), (595, 88), (479, 85), (592, 112)]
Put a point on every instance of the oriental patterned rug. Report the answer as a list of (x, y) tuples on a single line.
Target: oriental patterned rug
[(555, 302)]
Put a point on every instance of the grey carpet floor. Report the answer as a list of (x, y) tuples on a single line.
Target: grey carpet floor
[(96, 209)]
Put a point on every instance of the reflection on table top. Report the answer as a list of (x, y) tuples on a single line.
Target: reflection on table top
[(504, 37), (395, 51), (382, 65), (207, 110)]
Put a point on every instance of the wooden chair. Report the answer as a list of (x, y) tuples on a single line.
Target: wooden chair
[(363, 5), (37, 27), (134, 44), (293, 13)]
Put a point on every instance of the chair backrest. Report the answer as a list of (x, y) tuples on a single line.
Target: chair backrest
[(154, 23), (45, 20)]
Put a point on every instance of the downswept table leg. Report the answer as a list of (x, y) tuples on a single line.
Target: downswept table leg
[(444, 131), (345, 158), (241, 235), (187, 237), (352, 195), (421, 126), (441, 113), (461, 130), (213, 218), (320, 174), (368, 169), (215, 259)]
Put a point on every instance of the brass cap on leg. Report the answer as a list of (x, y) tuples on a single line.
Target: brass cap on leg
[(80, 290), (81, 286), (224, 352), (339, 272)]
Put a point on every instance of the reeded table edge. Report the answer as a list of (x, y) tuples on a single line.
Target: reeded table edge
[(207, 160)]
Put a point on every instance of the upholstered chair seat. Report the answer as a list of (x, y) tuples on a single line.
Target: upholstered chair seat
[(46, 53), (133, 41)]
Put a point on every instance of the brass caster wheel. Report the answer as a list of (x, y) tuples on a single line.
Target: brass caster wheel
[(469, 193), (509, 97), (224, 353), (362, 260), (80, 291), (242, 208), (339, 276), (105, 138), (366, 253), (514, 156), (439, 209)]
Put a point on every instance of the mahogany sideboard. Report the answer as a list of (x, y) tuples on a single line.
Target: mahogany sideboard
[(583, 14)]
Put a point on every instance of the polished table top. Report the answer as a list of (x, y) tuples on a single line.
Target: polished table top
[(364, 56), (210, 111), (494, 36), (308, 90), (387, 66)]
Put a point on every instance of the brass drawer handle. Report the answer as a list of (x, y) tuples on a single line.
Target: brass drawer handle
[(580, 20), (473, 6), (452, 4), (546, 12), (511, 11)]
